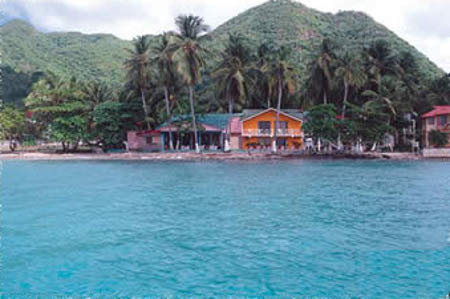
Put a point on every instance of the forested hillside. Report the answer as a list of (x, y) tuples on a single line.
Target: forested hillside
[(28, 52)]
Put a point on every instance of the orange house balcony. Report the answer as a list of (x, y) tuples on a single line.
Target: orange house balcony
[(271, 133)]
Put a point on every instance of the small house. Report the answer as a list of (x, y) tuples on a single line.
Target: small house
[(437, 119)]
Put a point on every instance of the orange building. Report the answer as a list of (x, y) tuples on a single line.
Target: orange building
[(258, 130)]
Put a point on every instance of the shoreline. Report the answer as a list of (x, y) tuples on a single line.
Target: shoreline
[(190, 156)]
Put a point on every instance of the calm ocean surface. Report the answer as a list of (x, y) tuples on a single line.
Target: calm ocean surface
[(335, 229)]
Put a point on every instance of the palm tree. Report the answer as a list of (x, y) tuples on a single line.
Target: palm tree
[(282, 77), (439, 91), (166, 77), (382, 60), (323, 67), (188, 54), (232, 74), (352, 74), (260, 77), (138, 69)]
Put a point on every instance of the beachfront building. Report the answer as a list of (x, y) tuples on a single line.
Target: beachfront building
[(437, 119), (146, 141), (249, 130), (259, 130)]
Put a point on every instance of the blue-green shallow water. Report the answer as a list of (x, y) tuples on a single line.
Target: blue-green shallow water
[(363, 229)]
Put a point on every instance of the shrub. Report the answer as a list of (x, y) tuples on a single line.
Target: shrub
[(437, 138)]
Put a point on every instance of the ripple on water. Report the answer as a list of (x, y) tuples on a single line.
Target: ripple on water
[(363, 229)]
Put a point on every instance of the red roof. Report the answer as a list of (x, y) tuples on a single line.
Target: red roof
[(438, 110), (235, 125)]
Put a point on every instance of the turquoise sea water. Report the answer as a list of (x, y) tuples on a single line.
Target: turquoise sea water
[(305, 229)]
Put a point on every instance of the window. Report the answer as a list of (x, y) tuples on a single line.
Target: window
[(431, 120), (443, 120), (283, 125), (149, 140), (264, 127)]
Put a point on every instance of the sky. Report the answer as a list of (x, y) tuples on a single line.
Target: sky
[(423, 23)]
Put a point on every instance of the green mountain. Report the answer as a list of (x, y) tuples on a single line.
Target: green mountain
[(286, 22), (28, 52), (85, 56)]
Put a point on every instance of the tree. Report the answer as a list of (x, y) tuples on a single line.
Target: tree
[(166, 77), (437, 138), (112, 119), (381, 60), (281, 77), (60, 107), (12, 125), (232, 74), (439, 92), (370, 122), (321, 123), (323, 68), (138, 70), (188, 54), (260, 89), (69, 129), (351, 72)]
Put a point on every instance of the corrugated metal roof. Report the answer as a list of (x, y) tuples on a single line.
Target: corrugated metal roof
[(218, 120)]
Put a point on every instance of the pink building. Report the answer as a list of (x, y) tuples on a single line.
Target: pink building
[(148, 141)]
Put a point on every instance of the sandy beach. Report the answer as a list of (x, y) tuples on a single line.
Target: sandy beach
[(190, 156)]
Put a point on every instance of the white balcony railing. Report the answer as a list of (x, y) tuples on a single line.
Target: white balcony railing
[(271, 133)]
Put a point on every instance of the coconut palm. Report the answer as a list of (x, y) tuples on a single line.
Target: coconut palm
[(232, 75), (281, 77), (323, 67), (137, 66), (440, 91), (352, 74), (381, 60), (188, 54), (166, 77), (261, 79)]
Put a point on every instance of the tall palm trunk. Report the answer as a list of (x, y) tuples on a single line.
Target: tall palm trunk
[(277, 119), (344, 104), (194, 123), (169, 115), (325, 97), (228, 130), (144, 105)]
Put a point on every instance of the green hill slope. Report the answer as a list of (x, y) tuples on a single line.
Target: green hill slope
[(286, 22), (86, 56), (27, 51)]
